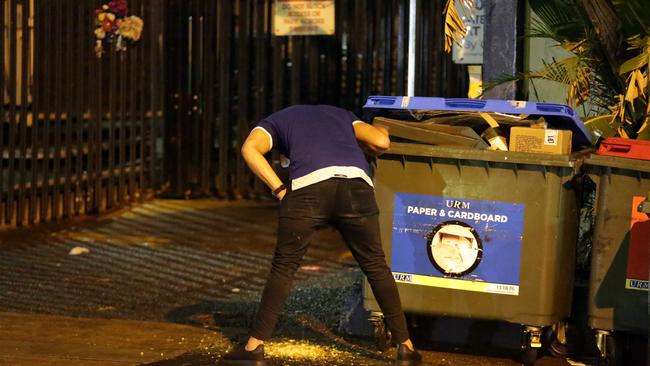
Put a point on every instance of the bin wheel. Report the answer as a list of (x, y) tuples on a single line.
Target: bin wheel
[(562, 340), (613, 351), (531, 344), (381, 334), (529, 356)]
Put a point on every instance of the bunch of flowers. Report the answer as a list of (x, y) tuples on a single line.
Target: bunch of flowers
[(115, 28)]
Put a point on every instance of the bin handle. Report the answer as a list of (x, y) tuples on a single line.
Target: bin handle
[(465, 103), (617, 148), (557, 108), (382, 100)]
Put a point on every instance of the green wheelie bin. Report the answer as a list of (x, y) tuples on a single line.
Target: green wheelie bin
[(618, 281), (480, 234)]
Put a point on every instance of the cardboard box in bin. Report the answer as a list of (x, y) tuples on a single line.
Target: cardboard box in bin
[(540, 140)]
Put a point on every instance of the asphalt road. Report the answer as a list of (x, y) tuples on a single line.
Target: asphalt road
[(203, 263)]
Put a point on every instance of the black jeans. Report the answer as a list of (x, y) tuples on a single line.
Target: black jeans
[(349, 205)]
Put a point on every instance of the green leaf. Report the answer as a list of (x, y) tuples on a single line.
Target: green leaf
[(634, 63), (634, 14), (561, 18), (644, 135), (600, 127), (644, 130)]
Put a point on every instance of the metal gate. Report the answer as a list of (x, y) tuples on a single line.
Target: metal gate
[(226, 71), (81, 134), (78, 132)]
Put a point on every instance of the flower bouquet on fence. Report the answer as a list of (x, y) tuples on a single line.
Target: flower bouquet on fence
[(115, 27)]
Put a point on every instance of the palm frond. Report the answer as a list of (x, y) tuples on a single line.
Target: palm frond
[(455, 28), (640, 60), (561, 19), (571, 71), (563, 71), (634, 14)]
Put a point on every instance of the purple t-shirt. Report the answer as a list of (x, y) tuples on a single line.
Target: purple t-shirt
[(314, 137)]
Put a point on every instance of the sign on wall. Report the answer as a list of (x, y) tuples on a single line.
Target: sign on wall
[(471, 49), (303, 17)]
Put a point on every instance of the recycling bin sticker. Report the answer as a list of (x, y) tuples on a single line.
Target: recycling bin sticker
[(637, 259), (457, 243)]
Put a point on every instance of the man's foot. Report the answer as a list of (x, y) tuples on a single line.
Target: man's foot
[(239, 356), (407, 356)]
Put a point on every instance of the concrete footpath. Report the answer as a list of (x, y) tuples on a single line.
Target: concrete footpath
[(52, 340)]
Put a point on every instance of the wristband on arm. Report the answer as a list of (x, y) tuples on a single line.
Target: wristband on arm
[(277, 191)]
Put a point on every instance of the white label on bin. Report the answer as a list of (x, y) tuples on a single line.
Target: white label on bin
[(551, 137), (518, 103), (457, 243), (405, 102)]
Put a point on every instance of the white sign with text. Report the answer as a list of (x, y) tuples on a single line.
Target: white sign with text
[(471, 49), (303, 17)]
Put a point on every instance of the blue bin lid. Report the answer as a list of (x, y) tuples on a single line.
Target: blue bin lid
[(559, 116)]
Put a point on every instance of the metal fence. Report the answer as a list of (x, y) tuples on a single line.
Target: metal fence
[(78, 132), (226, 71), (82, 134)]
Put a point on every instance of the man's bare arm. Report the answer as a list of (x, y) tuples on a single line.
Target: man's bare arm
[(374, 139), (256, 145)]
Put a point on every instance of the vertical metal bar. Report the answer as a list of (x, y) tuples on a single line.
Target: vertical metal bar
[(153, 89), (141, 162), (58, 91), (112, 109), (296, 68), (97, 140), (226, 12), (47, 84), (423, 39), (436, 67), (260, 16), (36, 111), (374, 56), (413, 4), (357, 56), (157, 123), (12, 91), (82, 52), (3, 115), (388, 48), (278, 73), (175, 81), (132, 61), (195, 93), (94, 80), (23, 109), (399, 65), (121, 175), (350, 56), (71, 84), (280, 51), (335, 57), (263, 46), (313, 63), (242, 175), (208, 100), (367, 57)]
